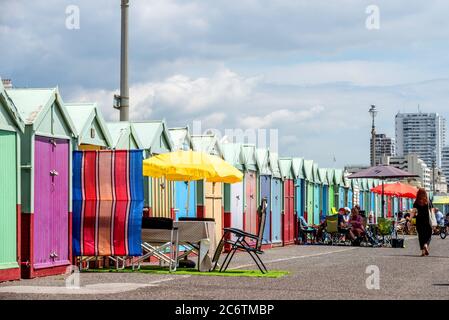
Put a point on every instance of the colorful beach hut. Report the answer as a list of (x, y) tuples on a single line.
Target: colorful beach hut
[(11, 128), (210, 194), (185, 191), (46, 181), (158, 192), (348, 193), (276, 200), (317, 189), (300, 195), (233, 193), (340, 185), (91, 128), (263, 165), (250, 188), (288, 217), (332, 191), (310, 189), (324, 192)]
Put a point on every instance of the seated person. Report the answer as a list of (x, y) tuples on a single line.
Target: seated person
[(305, 229), (356, 222), (343, 225), (439, 217)]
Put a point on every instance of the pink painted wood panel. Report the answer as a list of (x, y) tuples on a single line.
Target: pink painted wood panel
[(43, 206), (51, 202), (251, 202), (60, 196)]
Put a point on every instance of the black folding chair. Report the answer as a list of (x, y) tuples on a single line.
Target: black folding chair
[(237, 239), (157, 247)]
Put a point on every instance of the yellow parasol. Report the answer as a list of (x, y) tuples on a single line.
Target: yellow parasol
[(191, 165)]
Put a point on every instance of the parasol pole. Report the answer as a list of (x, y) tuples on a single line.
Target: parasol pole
[(383, 199), (188, 198)]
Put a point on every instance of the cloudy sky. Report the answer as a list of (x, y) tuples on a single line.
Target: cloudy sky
[(309, 69)]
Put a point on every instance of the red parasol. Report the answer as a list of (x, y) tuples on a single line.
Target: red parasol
[(397, 189)]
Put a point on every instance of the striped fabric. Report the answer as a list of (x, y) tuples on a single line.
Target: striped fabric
[(107, 203), (161, 197)]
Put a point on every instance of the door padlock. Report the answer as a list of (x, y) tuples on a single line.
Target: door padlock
[(54, 173)]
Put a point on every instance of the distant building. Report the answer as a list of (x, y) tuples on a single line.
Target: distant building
[(384, 146), (414, 165), (423, 134), (355, 168), (439, 182), (445, 162)]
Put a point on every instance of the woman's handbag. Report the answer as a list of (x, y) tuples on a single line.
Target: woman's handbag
[(432, 218)]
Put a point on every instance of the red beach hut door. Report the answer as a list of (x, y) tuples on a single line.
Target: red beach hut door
[(288, 217), (50, 202), (250, 222)]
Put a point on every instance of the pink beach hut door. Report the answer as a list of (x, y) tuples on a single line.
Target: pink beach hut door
[(50, 202)]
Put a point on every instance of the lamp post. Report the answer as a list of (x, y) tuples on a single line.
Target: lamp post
[(121, 101), (373, 113)]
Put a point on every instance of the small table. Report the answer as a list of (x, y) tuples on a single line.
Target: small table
[(194, 236)]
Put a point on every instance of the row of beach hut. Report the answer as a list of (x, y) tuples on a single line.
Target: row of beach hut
[(38, 133)]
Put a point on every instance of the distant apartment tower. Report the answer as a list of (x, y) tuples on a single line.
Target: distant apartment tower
[(423, 134), (414, 165), (384, 147), (445, 162)]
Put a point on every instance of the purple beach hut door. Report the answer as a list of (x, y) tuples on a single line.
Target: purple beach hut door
[(51, 202)]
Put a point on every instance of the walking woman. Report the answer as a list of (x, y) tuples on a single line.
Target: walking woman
[(423, 226)]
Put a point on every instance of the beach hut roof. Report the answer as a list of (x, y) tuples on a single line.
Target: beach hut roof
[(346, 180), (308, 170), (122, 133), (232, 153), (154, 136), (298, 167), (207, 143), (263, 161), (181, 138), (9, 114), (33, 105), (323, 176), (86, 116), (330, 176), (355, 184), (316, 175), (285, 165), (274, 164), (249, 156), (339, 177)]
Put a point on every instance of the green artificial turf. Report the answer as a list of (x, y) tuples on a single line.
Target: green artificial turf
[(189, 271)]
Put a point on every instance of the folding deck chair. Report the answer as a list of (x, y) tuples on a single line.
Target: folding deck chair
[(165, 237), (239, 242)]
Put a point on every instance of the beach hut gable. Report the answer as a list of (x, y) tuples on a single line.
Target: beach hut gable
[(263, 161), (339, 177), (89, 123), (207, 143), (298, 167), (316, 176), (9, 115), (249, 156), (274, 163), (285, 165), (330, 176), (323, 176), (232, 153), (181, 138), (308, 170), (43, 110), (154, 136), (124, 136)]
